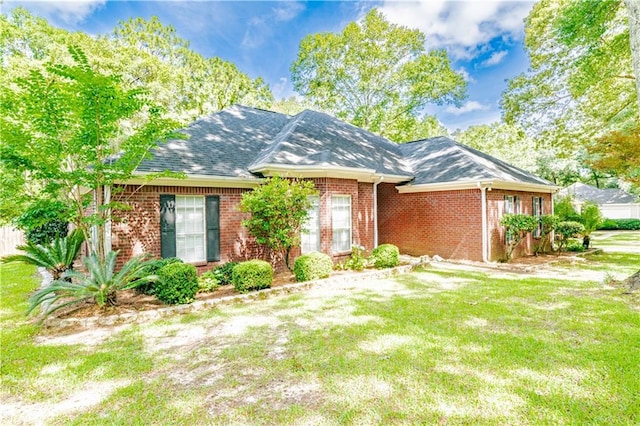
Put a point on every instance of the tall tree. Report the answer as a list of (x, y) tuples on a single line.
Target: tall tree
[(70, 129), (376, 75)]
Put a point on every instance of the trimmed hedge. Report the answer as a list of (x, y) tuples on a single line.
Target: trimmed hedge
[(252, 275), (177, 284), (312, 266), (386, 256), (153, 268), (620, 224)]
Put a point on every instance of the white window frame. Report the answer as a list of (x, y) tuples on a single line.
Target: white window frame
[(182, 210), (511, 204), (334, 219), (310, 240), (537, 209)]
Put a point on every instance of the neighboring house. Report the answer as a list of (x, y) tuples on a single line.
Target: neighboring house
[(614, 203), (427, 197)]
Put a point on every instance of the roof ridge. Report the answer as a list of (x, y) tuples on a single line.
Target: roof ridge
[(277, 140)]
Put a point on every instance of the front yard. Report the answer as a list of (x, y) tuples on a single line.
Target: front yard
[(451, 344)]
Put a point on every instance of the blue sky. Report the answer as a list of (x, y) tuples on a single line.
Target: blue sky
[(484, 39)]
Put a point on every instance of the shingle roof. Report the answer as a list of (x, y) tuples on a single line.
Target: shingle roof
[(440, 160), (585, 192), (240, 141)]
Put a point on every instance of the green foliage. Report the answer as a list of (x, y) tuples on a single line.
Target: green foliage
[(43, 221), (376, 75), (591, 217), (517, 226), (386, 256), (153, 268), (224, 273), (71, 128), (177, 283), (621, 224), (566, 230), (547, 225), (100, 284), (207, 282), (252, 275), (575, 246), (278, 208), (356, 261), (564, 210), (56, 257), (312, 266)]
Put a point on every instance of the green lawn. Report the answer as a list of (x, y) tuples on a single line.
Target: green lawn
[(430, 347)]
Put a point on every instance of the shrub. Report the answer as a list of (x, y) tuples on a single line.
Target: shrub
[(591, 219), (312, 266), (622, 224), (575, 246), (177, 283), (252, 275), (56, 256), (563, 208), (100, 284), (207, 282), (565, 230), (153, 268), (44, 221), (386, 256), (517, 226), (224, 273), (356, 261)]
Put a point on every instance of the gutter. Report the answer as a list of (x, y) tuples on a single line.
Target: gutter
[(485, 231)]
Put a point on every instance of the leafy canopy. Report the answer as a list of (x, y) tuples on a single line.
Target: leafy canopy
[(376, 75)]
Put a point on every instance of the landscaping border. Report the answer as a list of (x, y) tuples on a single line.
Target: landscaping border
[(201, 305)]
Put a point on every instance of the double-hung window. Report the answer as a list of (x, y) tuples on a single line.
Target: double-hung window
[(190, 227), (511, 204), (537, 213), (310, 238), (341, 223)]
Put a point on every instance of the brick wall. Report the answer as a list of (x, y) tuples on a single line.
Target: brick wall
[(446, 223), (137, 230)]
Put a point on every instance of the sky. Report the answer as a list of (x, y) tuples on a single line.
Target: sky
[(484, 39)]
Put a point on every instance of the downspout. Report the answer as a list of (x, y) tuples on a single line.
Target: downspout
[(375, 211), (107, 224), (485, 232)]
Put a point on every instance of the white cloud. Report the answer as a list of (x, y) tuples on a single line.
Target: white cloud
[(463, 27), (495, 58), (261, 27), (283, 89), (62, 11), (465, 74), (468, 106), (287, 11)]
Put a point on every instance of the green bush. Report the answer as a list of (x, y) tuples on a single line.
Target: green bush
[(386, 256), (44, 221), (565, 230), (312, 266), (207, 282), (575, 246), (224, 273), (153, 268), (177, 283), (563, 208), (252, 275), (357, 261), (622, 224)]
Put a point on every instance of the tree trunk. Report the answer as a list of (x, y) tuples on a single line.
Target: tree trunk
[(633, 10), (632, 283)]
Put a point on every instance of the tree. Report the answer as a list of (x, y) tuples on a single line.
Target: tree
[(591, 218), (278, 208), (70, 129), (517, 226), (375, 75)]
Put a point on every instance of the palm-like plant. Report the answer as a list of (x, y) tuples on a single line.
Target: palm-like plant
[(57, 256), (100, 284)]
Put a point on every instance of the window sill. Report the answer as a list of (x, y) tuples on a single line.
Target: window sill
[(342, 253)]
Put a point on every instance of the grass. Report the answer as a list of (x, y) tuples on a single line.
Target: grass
[(433, 346)]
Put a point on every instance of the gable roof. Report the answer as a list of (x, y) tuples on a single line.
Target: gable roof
[(241, 144), (585, 192)]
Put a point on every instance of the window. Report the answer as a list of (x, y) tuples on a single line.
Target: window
[(537, 213), (341, 223), (511, 204), (310, 238), (190, 227)]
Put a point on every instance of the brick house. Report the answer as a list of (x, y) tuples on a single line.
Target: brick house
[(432, 196)]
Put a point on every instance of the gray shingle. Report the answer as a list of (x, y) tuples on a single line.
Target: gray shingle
[(440, 160), (585, 192)]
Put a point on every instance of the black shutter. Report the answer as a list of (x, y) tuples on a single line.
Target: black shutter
[(213, 228), (168, 226)]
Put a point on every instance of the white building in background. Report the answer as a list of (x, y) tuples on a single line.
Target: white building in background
[(614, 203)]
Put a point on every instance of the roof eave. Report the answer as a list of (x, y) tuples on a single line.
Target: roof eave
[(327, 171), (475, 184), (193, 180)]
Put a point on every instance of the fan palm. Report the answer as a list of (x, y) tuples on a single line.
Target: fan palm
[(100, 284), (56, 257)]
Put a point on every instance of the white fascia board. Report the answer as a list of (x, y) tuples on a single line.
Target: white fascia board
[(336, 172), (194, 181), (474, 184)]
